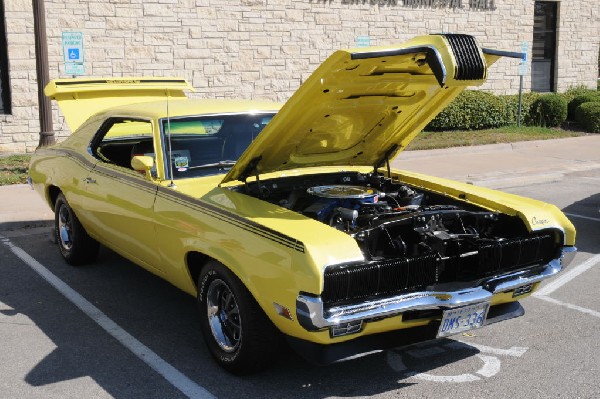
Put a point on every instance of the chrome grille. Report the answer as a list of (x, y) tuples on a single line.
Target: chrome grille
[(511, 254), (347, 283), (379, 278)]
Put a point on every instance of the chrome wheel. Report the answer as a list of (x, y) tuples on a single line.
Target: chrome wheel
[(74, 243), (237, 332), (65, 228), (223, 316)]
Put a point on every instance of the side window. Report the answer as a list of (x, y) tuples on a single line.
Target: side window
[(120, 139), (5, 102)]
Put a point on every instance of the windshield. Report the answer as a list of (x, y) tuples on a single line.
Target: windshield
[(208, 145)]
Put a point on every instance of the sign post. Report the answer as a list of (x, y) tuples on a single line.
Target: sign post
[(72, 43), (522, 71)]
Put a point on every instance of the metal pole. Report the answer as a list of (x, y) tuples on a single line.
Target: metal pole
[(41, 63), (520, 100)]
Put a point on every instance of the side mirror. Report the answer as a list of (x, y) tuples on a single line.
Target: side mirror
[(143, 163)]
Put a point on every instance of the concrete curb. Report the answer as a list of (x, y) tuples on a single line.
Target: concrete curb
[(499, 147)]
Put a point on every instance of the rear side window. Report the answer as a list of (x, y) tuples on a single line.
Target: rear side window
[(120, 139)]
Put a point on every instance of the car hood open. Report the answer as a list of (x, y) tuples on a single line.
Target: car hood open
[(364, 105)]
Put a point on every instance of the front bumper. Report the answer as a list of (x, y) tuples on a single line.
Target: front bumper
[(364, 345), (313, 316)]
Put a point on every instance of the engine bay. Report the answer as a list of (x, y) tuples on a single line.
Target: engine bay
[(389, 219)]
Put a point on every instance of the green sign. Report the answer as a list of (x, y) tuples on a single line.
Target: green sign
[(72, 44), (72, 68), (362, 41)]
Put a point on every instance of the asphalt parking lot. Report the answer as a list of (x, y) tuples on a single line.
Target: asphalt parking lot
[(112, 330)]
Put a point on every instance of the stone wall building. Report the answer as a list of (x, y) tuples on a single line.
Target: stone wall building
[(263, 49)]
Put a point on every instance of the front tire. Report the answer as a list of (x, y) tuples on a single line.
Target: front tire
[(76, 246), (239, 335)]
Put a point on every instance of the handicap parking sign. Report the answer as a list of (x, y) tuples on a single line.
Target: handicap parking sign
[(73, 47), (73, 54)]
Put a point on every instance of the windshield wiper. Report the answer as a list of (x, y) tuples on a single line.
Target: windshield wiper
[(220, 164)]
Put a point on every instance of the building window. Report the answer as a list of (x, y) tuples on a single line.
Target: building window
[(543, 60), (4, 81)]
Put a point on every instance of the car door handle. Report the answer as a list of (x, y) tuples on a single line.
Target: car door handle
[(89, 180)]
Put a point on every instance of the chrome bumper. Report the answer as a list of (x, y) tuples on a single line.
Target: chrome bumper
[(313, 316)]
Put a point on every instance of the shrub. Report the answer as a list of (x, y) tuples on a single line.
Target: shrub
[(575, 91), (549, 110), (471, 110), (592, 96), (512, 107), (587, 116)]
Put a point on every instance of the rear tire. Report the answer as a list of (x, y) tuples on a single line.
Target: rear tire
[(238, 334), (74, 243)]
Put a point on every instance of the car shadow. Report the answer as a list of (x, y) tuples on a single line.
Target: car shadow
[(165, 320), (587, 207)]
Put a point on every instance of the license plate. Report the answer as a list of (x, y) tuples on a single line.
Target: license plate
[(467, 318)]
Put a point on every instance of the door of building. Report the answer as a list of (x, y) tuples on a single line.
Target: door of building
[(4, 82), (543, 60)]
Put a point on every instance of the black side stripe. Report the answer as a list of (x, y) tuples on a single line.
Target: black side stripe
[(124, 178), (72, 155), (261, 231), (128, 179), (232, 218), (189, 202)]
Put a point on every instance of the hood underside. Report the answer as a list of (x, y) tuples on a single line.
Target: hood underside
[(362, 106)]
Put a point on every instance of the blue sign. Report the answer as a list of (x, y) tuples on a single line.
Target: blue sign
[(73, 54), (72, 43), (524, 65), (524, 50)]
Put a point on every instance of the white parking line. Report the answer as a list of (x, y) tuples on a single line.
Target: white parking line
[(564, 279), (491, 366), (568, 276), (145, 354), (569, 305), (420, 352), (574, 215)]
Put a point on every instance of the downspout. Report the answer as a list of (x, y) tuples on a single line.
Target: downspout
[(41, 63)]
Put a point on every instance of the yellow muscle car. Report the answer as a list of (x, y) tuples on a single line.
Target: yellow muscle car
[(286, 221)]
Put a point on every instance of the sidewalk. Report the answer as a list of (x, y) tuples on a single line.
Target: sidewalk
[(507, 165), (495, 166), (21, 207)]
